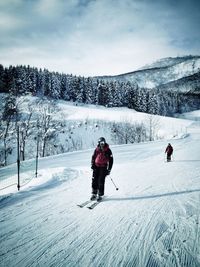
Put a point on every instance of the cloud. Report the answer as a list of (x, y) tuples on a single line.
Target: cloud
[(93, 37), (9, 23)]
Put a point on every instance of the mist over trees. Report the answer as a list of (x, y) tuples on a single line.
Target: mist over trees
[(21, 80)]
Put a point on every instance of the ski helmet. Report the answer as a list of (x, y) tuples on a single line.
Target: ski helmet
[(101, 140)]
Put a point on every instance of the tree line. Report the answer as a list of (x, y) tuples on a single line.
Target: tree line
[(21, 80)]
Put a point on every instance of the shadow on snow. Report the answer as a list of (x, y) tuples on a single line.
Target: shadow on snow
[(153, 196)]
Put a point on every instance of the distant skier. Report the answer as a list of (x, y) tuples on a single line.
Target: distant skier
[(169, 151), (101, 164)]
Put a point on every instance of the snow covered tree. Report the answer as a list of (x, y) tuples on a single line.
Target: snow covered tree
[(102, 94), (24, 131), (127, 132), (152, 125), (8, 122), (31, 80), (153, 107), (2, 80), (47, 82), (47, 126), (80, 90), (55, 86), (130, 95), (89, 91)]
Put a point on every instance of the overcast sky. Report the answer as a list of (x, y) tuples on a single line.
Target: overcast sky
[(97, 37)]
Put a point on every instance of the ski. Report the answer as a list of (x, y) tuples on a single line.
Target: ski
[(84, 203), (93, 205)]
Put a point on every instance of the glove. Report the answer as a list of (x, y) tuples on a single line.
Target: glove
[(108, 172)]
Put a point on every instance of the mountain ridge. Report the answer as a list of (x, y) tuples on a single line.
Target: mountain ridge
[(156, 75), (170, 61)]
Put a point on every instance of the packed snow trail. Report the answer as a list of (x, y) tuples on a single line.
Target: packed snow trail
[(153, 220)]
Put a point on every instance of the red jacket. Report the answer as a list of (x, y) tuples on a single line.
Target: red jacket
[(102, 157)]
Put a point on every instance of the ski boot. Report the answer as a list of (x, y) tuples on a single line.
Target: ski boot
[(99, 198), (93, 197)]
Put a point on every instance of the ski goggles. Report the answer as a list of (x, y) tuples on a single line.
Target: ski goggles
[(101, 143)]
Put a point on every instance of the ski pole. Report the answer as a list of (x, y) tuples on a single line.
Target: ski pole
[(114, 183)]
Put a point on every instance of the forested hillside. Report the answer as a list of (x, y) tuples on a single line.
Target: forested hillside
[(22, 80)]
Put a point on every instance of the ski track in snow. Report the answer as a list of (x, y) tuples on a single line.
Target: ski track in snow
[(152, 221)]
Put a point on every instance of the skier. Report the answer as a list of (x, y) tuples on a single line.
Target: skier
[(101, 164), (169, 151)]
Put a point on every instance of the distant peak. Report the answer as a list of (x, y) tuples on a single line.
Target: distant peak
[(168, 62)]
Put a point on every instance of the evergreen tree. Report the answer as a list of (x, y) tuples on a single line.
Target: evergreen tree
[(47, 82), (55, 86), (153, 102), (131, 96), (31, 80), (2, 80), (102, 94), (89, 91)]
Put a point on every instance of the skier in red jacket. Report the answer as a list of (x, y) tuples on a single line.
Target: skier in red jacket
[(101, 164), (169, 151)]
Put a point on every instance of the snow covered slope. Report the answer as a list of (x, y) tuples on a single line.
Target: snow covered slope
[(153, 220), (169, 62), (78, 126), (161, 72)]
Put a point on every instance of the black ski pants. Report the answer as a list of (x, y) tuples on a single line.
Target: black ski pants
[(98, 180), (169, 156)]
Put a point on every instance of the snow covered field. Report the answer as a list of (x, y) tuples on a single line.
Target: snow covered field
[(153, 220)]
